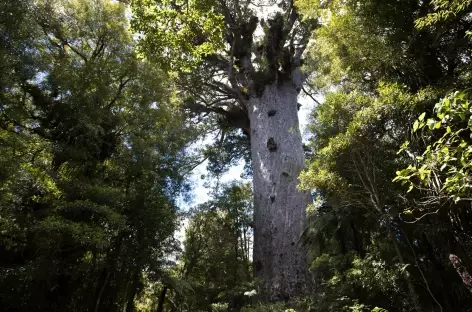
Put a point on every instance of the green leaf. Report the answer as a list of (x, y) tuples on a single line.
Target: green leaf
[(430, 123)]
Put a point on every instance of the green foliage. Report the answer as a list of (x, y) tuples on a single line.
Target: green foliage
[(444, 166), (216, 258), (347, 132), (268, 308), (94, 151), (177, 34), (91, 159), (370, 242), (231, 148), (301, 306), (344, 276), (444, 10), (219, 307), (361, 45)]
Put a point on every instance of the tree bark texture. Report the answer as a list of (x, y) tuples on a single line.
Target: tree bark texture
[(462, 271), (280, 266), (162, 298)]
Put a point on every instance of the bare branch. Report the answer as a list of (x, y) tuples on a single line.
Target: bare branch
[(195, 165), (311, 96)]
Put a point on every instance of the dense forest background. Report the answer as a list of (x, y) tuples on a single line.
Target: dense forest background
[(98, 129)]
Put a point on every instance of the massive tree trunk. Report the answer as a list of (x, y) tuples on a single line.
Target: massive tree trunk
[(277, 159), (253, 85)]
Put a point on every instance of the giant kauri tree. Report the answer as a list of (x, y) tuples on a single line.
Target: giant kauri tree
[(247, 71)]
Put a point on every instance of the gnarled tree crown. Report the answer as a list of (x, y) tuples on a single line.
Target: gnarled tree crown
[(233, 53)]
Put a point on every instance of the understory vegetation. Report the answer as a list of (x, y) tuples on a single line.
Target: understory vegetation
[(107, 108)]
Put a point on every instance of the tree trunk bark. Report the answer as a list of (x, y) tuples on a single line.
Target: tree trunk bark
[(462, 271), (104, 284), (107, 271), (162, 298), (277, 158), (131, 294), (411, 288), (357, 240)]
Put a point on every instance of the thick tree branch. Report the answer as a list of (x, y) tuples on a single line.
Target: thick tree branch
[(301, 46), (217, 62), (75, 50), (292, 17), (234, 115), (37, 95), (99, 47), (123, 83), (232, 77), (233, 92), (56, 32)]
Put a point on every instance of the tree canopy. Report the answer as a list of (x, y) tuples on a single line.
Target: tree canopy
[(91, 159), (382, 65)]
